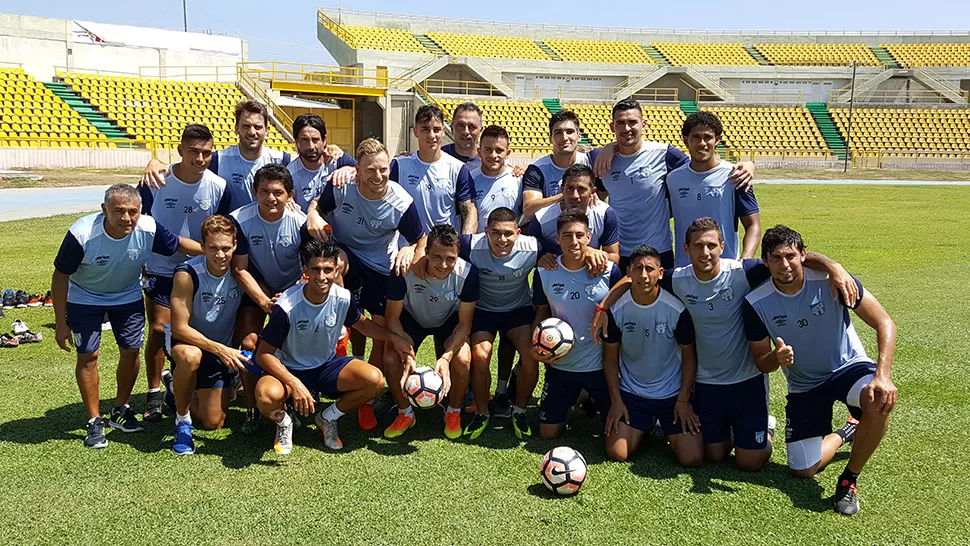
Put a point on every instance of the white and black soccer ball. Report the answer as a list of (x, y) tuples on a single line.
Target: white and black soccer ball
[(563, 470), (424, 387), (553, 338)]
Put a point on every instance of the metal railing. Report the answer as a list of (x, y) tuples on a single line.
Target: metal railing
[(5, 64), (73, 142), (217, 73), (753, 95), (78, 71), (316, 73), (257, 90), (336, 28), (894, 96), (459, 87)]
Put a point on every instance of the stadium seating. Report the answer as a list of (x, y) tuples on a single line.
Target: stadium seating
[(526, 122), (818, 54), (158, 110), (663, 123), (780, 128), (599, 51), (680, 54), (384, 39), (499, 47), (903, 130), (32, 116), (916, 55)]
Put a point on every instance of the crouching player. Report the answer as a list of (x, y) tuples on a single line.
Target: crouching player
[(650, 362), (297, 350), (441, 305), (205, 298)]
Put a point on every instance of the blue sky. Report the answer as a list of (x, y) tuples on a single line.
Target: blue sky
[(286, 30)]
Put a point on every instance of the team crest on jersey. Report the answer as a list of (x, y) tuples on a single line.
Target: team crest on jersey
[(133, 254), (518, 273), (727, 294), (375, 223), (590, 289), (662, 329), (331, 320), (639, 174), (78, 339), (440, 182), (233, 293), (204, 204), (714, 191), (759, 436), (818, 308), (451, 296), (307, 193), (286, 240)]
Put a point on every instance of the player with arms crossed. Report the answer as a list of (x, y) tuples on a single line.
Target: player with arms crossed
[(441, 305), (820, 353), (297, 350), (97, 272), (315, 163), (542, 181)]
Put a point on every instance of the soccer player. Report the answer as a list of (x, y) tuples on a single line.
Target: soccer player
[(97, 272), (702, 188), (541, 184), (314, 165), (823, 359), (571, 293), (237, 165), (634, 179), (205, 298), (266, 263), (191, 194), (495, 184), (441, 305), (466, 126), (650, 361), (441, 186), (296, 349)]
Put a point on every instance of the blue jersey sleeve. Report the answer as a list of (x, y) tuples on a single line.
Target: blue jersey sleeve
[(464, 186), (397, 287), (858, 301), (147, 199), (242, 242), (69, 256), (346, 160), (192, 275), (684, 331), (615, 275), (674, 158), (611, 228), (328, 201), (666, 282), (394, 174), (538, 294), (470, 290), (745, 203), (755, 271), (535, 230), (532, 180), (353, 313), (593, 154), (613, 332), (286, 159), (277, 328), (465, 247), (225, 203), (754, 327), (214, 164), (165, 242), (410, 225)]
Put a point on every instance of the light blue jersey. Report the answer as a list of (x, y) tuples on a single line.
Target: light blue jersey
[(273, 247), (650, 337), (182, 208), (493, 192), (696, 194), (436, 188), (813, 322), (572, 297), (104, 270), (603, 227), (215, 301), (723, 355), (431, 301), (307, 184), (238, 171), (504, 281), (546, 177), (305, 334)]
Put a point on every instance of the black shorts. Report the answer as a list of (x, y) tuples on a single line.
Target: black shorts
[(368, 285), (212, 373), (809, 414), (159, 289), (644, 412), (739, 407), (323, 378), (561, 390), (502, 321), (417, 333), (666, 261)]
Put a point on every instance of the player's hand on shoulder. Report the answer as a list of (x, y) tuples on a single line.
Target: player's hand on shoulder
[(293, 206), (420, 268), (604, 160), (332, 152), (548, 262), (518, 171), (742, 176), (618, 412), (154, 175), (596, 261), (403, 259), (343, 176), (841, 282)]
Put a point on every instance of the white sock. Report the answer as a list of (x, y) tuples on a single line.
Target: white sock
[(409, 411), (91, 420), (156, 389), (503, 386), (285, 421), (187, 418), (516, 410), (452, 410), (332, 413)]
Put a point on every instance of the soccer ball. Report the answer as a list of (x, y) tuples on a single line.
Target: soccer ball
[(423, 388), (552, 338), (563, 470)]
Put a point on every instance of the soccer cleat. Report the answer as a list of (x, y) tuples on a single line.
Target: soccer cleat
[(385, 403), (21, 298), (846, 500), (183, 443), (124, 420), (520, 426), (283, 444), (19, 327), (252, 422), (48, 300), (477, 426), (9, 341), (168, 383), (154, 414), (34, 300), (366, 418), (401, 424), (329, 430), (30, 337), (847, 431), (452, 424), (95, 438), (9, 299), (500, 406)]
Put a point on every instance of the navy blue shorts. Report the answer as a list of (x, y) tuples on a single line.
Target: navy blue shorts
[(323, 378), (741, 407), (127, 325), (159, 289), (502, 321), (212, 373), (368, 285), (809, 414), (666, 261), (417, 333), (562, 388), (644, 412)]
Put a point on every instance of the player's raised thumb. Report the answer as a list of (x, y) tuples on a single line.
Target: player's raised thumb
[(779, 343)]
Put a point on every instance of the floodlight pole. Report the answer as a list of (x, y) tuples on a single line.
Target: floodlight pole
[(185, 18), (848, 139)]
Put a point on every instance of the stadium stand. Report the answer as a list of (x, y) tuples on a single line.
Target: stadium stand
[(32, 116), (526, 122), (384, 39), (599, 51), (902, 131), (663, 123), (158, 110), (779, 128), (682, 53), (916, 55), (818, 54), (500, 47)]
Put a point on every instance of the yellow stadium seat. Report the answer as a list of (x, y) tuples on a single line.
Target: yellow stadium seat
[(937, 55), (813, 54), (682, 53)]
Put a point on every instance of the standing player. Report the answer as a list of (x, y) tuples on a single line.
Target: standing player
[(818, 349), (650, 361), (441, 305), (314, 166), (191, 194), (296, 349), (703, 188), (205, 298), (571, 293), (97, 272), (466, 126), (265, 264), (541, 184), (495, 184)]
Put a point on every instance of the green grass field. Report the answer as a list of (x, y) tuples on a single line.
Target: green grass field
[(908, 245)]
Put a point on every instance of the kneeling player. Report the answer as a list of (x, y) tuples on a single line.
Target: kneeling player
[(296, 349), (821, 355), (650, 362), (205, 298), (441, 305)]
